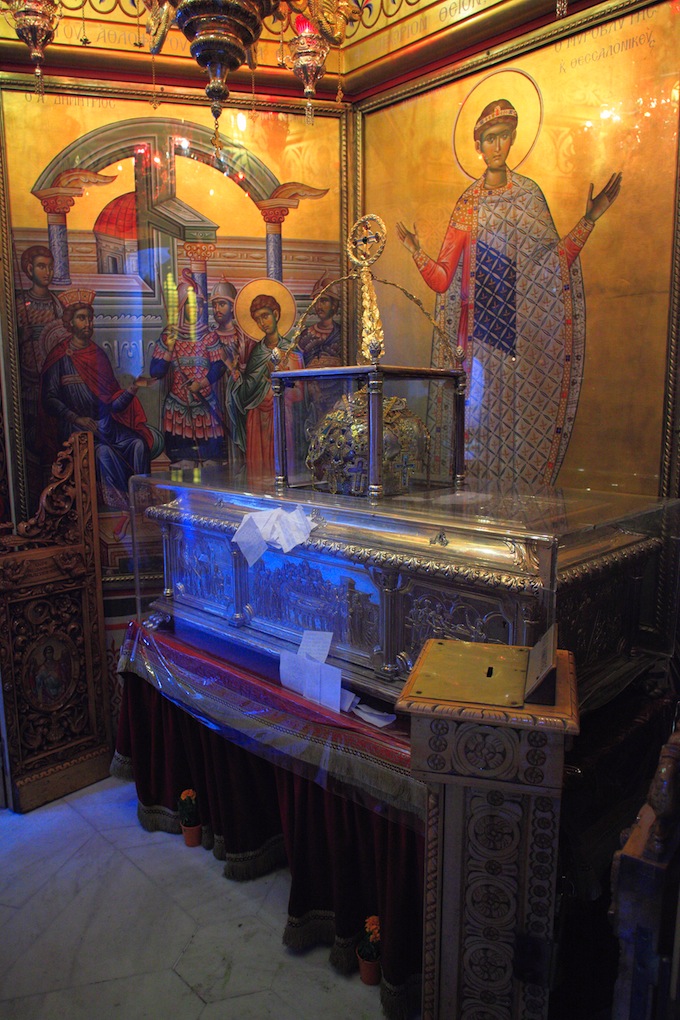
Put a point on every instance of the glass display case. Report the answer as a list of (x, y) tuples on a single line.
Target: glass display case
[(362, 430), (463, 562)]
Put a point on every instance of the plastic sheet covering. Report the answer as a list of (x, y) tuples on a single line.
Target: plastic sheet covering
[(337, 751)]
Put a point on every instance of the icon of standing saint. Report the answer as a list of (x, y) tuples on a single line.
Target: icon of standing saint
[(510, 297)]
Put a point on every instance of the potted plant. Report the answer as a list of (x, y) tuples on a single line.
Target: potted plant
[(187, 809), (368, 951)]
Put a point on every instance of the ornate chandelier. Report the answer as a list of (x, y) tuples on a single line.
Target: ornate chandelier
[(35, 22), (223, 34)]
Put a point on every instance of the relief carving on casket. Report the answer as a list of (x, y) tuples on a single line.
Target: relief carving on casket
[(525, 555), (433, 614), (590, 618), (299, 595), (429, 567), (202, 568)]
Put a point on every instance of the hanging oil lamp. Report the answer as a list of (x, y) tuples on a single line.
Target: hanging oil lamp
[(35, 22)]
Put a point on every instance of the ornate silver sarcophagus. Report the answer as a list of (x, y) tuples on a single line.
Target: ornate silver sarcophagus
[(477, 564)]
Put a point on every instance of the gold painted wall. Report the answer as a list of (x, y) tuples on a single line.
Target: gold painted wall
[(263, 152), (609, 102), (37, 130)]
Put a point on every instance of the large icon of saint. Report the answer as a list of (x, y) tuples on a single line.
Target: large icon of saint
[(510, 298)]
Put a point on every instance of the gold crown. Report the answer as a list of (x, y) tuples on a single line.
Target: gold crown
[(498, 113), (76, 296)]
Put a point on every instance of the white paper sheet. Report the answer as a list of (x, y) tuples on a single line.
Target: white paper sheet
[(316, 644), (290, 673), (248, 538), (284, 530), (348, 700), (314, 680), (372, 716)]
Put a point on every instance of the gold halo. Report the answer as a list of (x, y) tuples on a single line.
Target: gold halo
[(524, 94), (275, 289)]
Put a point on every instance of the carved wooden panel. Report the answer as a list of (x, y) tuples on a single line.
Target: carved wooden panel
[(56, 722), (494, 776)]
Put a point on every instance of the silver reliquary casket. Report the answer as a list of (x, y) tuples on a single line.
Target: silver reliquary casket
[(383, 577)]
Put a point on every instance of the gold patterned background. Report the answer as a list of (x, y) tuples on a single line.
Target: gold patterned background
[(609, 102)]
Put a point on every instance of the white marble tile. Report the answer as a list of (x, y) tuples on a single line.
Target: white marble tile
[(191, 876), (101, 919), (308, 983), (133, 835), (273, 907), (259, 1006), (109, 804), (34, 846), (116, 923), (236, 958), (46, 900), (195, 879), (145, 997)]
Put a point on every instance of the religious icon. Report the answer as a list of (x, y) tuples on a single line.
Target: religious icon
[(79, 391), (37, 307), (191, 359), (236, 348), (510, 296), (321, 343), (48, 679), (265, 310)]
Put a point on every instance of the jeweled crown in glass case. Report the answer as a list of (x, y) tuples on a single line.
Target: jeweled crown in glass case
[(362, 430)]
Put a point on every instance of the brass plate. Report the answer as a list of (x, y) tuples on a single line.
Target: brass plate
[(449, 670)]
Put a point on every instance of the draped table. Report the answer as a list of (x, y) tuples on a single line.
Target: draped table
[(282, 781)]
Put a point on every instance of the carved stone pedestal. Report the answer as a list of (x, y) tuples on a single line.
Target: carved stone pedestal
[(495, 778)]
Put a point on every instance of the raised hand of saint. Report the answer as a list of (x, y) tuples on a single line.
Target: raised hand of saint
[(598, 205), (408, 238)]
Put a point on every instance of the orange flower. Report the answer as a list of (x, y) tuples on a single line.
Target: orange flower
[(187, 807), (369, 944)]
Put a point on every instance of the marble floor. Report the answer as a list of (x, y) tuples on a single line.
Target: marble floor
[(100, 919)]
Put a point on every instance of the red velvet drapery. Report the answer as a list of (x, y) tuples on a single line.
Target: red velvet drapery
[(349, 855)]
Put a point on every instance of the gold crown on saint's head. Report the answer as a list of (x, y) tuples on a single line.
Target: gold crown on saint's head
[(497, 113), (76, 296)]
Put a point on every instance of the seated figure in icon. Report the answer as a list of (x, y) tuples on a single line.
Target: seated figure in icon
[(79, 391)]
